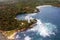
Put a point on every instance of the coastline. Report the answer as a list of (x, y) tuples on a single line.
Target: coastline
[(11, 37)]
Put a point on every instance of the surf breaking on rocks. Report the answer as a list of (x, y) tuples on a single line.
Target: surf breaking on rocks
[(43, 29)]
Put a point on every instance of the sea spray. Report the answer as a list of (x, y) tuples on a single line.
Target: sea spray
[(44, 29), (40, 29), (29, 17)]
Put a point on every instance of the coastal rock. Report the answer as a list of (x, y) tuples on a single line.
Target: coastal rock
[(2, 37)]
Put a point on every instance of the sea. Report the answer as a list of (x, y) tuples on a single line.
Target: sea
[(47, 26)]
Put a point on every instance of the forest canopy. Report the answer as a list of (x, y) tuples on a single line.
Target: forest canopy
[(8, 11)]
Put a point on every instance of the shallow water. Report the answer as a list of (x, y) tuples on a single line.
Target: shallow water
[(48, 25)]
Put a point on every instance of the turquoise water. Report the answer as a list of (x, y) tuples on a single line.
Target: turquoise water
[(48, 26)]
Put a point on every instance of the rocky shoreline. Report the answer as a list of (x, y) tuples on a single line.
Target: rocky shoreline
[(5, 36)]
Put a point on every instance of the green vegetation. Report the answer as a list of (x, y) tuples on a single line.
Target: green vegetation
[(25, 24), (9, 11), (7, 15), (33, 3), (8, 21)]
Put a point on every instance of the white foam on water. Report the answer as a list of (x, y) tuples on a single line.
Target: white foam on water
[(44, 29), (27, 38), (29, 17), (17, 36)]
